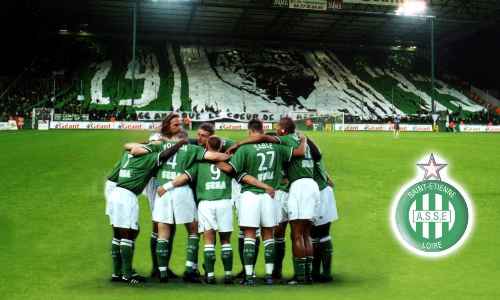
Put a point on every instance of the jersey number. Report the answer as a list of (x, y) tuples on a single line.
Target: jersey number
[(215, 172), (171, 162), (265, 163)]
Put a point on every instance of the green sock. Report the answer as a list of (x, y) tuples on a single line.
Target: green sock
[(241, 243), (300, 268), (127, 253), (326, 255), (269, 256), (257, 247), (316, 263), (209, 260), (309, 266), (116, 257), (152, 247), (162, 253), (192, 253), (227, 259), (249, 256), (279, 255), (170, 245)]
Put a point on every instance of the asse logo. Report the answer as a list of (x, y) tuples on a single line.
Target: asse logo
[(432, 217)]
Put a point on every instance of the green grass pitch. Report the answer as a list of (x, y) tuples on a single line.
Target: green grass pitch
[(54, 237)]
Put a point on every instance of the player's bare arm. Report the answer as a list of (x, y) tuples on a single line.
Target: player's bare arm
[(225, 167), (178, 181), (263, 138), (216, 156), (300, 151), (248, 179)]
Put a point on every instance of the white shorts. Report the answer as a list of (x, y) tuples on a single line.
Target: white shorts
[(150, 192), (176, 206), (215, 215), (109, 186), (327, 208), (257, 210), (281, 204), (303, 199), (124, 209), (235, 194)]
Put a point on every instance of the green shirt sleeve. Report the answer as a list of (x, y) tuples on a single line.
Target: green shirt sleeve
[(286, 152), (237, 161), (226, 143), (192, 172), (154, 147)]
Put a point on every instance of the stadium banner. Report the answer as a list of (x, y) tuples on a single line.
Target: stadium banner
[(11, 125), (105, 125), (383, 127), (238, 126), (331, 4), (479, 128), (375, 2), (43, 125), (238, 117)]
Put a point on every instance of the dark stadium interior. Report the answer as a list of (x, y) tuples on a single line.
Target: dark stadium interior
[(41, 37)]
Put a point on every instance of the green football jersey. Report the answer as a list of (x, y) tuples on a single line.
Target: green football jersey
[(263, 161), (179, 162), (136, 171), (300, 167), (113, 176), (226, 143), (283, 184), (320, 174), (211, 183)]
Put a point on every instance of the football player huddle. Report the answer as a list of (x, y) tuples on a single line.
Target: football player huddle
[(272, 180)]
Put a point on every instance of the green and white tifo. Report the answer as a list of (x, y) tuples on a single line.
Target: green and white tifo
[(55, 239)]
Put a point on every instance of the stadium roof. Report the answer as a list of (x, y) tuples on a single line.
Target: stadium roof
[(236, 21)]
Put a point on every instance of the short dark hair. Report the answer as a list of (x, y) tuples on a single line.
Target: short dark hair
[(208, 127), (287, 124), (165, 124), (214, 143), (256, 125)]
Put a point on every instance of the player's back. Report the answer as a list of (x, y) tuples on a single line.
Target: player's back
[(263, 161), (135, 171), (211, 182)]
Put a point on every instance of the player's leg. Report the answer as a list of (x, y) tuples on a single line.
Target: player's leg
[(298, 251), (224, 219), (269, 254), (307, 225), (116, 256), (249, 216), (316, 266), (209, 256), (249, 254), (323, 248), (226, 256), (279, 249), (192, 248), (326, 247), (125, 217), (173, 230), (281, 202), (163, 216), (152, 247), (185, 212), (162, 249), (268, 222), (241, 244)]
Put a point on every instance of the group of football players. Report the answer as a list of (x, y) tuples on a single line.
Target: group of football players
[(272, 180)]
